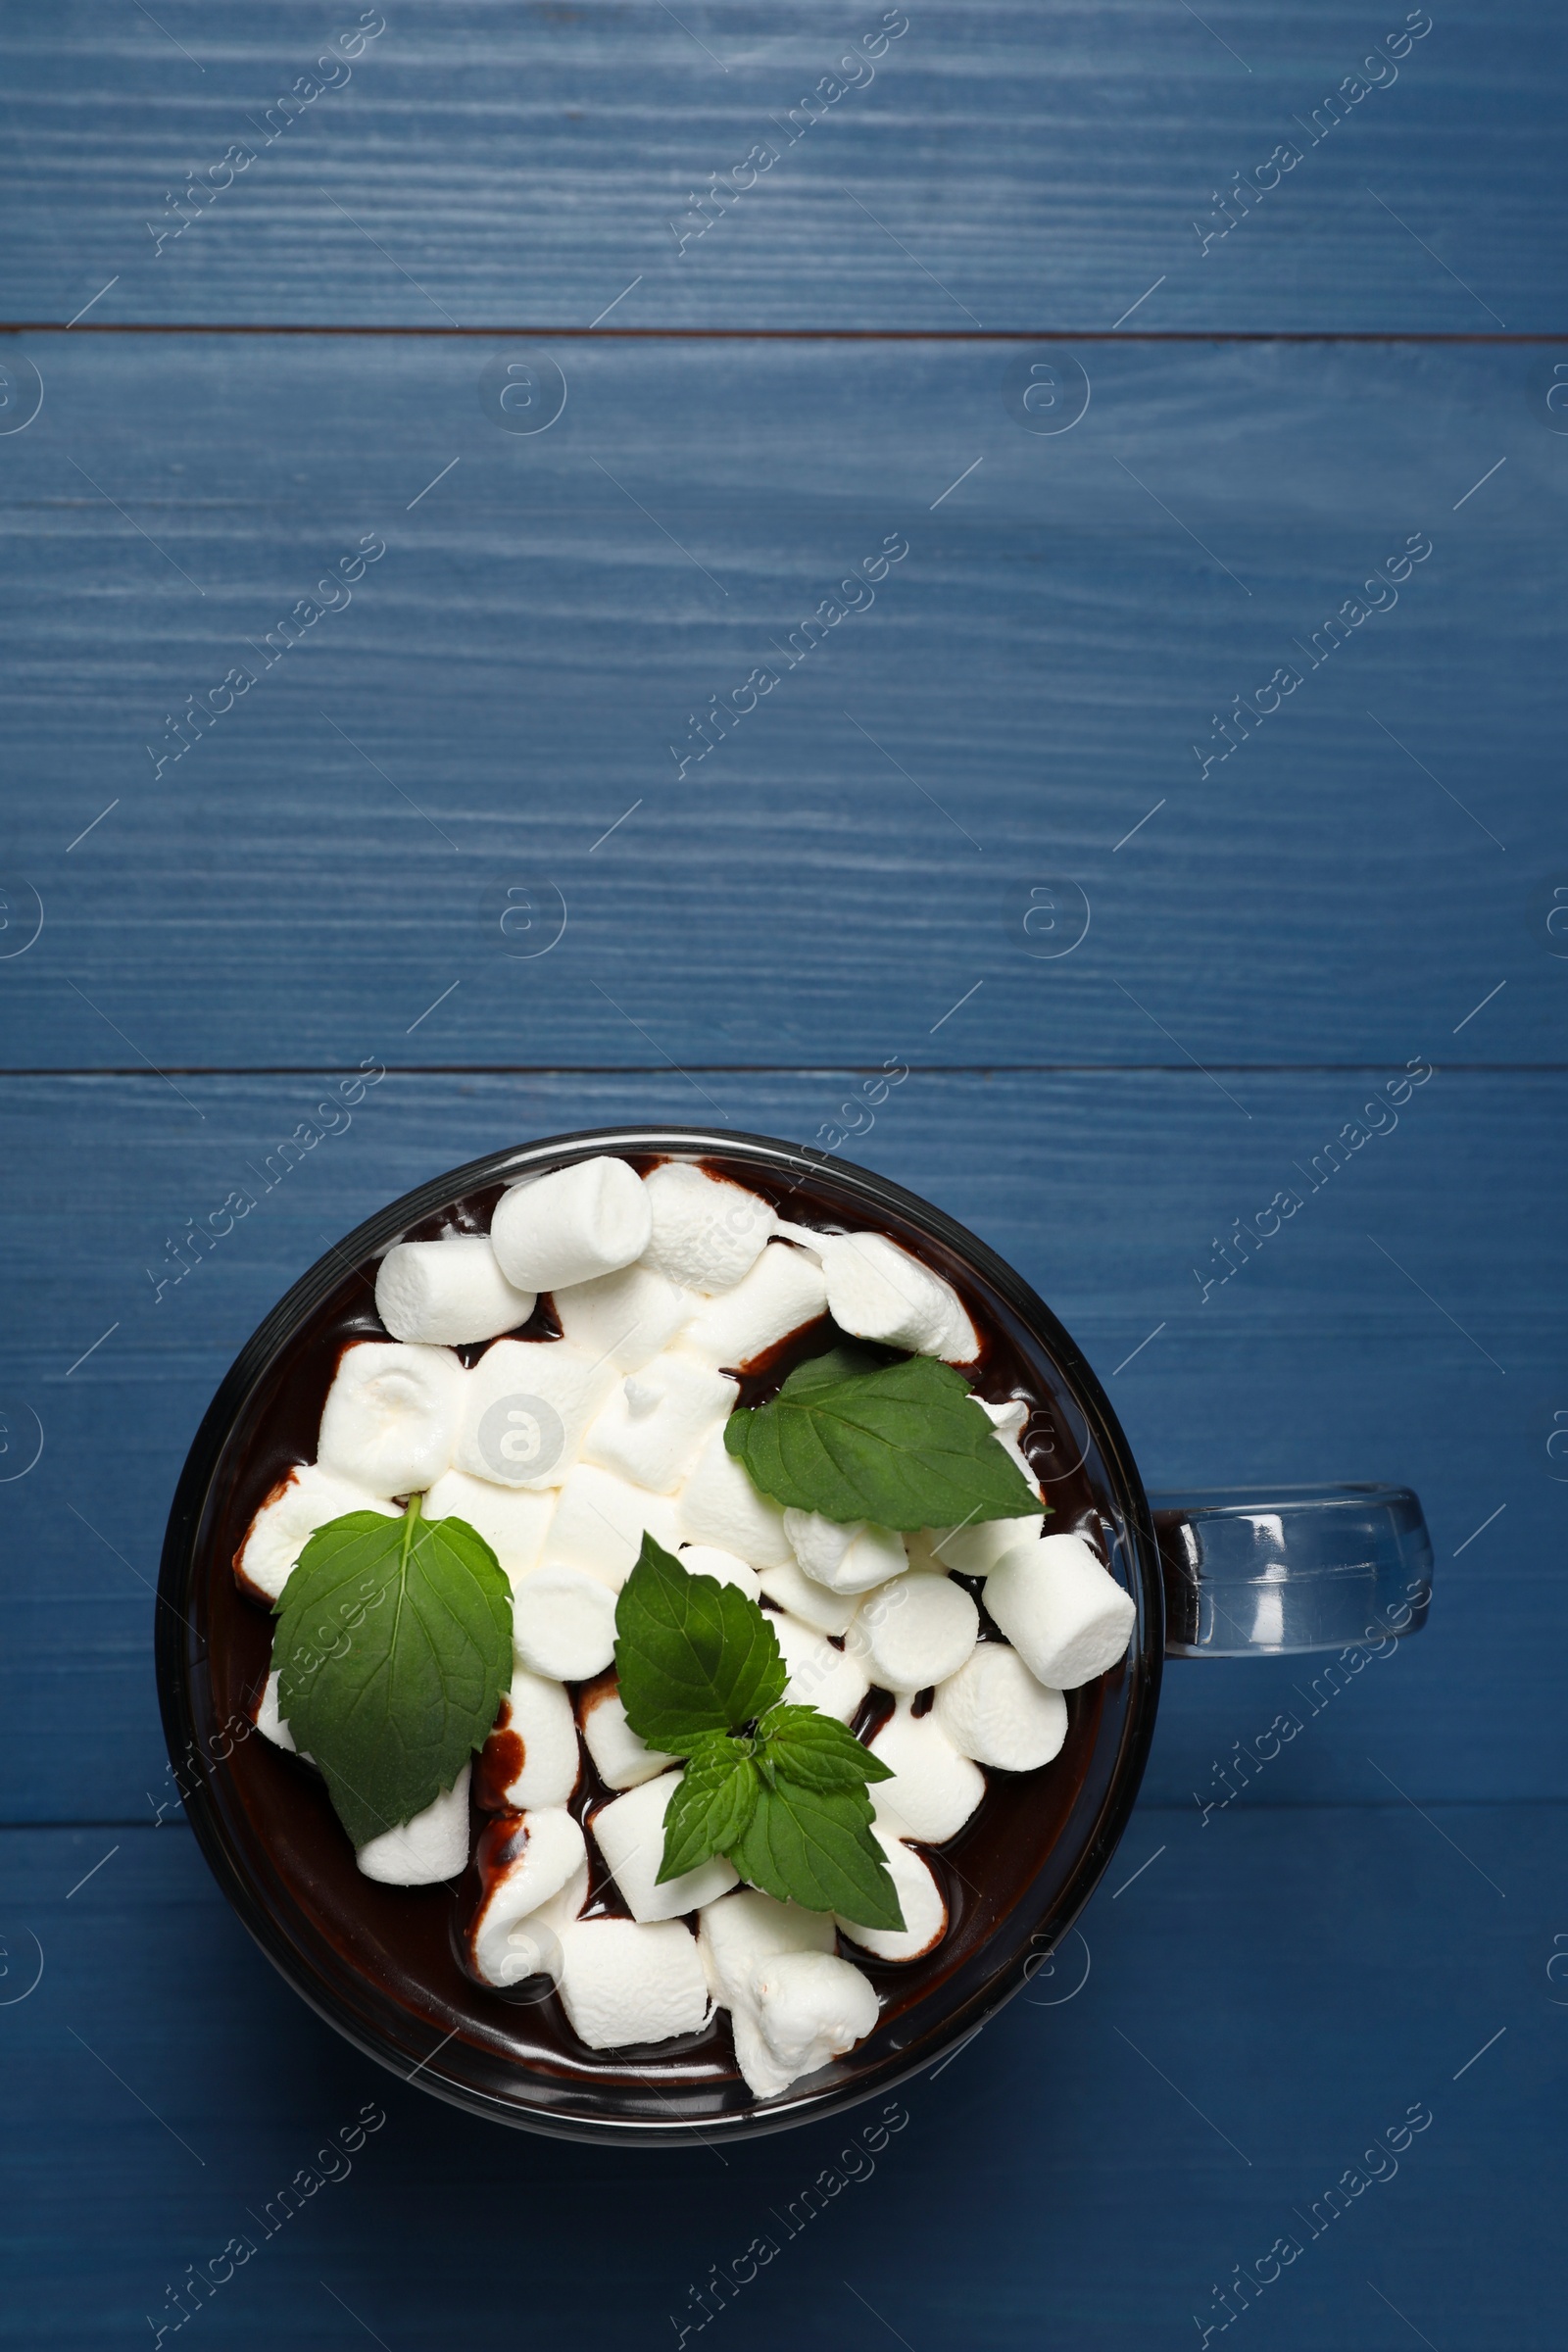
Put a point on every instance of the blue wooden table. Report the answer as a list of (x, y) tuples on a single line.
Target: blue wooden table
[(418, 432)]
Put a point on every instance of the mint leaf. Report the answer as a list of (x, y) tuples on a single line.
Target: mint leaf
[(713, 1803), (394, 1648), (903, 1444), (814, 1751), (691, 1655), (816, 1848)]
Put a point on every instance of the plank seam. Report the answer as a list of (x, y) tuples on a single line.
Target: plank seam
[(770, 334)]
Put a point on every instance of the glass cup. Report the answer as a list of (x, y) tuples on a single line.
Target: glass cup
[(1215, 1573)]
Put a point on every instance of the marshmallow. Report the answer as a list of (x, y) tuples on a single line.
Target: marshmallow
[(706, 1233), (620, 1759), (877, 1291), (1008, 1420), (268, 1720), (527, 1411), (623, 1984), (391, 1416), (448, 1292), (793, 1589), (852, 1558), (658, 1420), (624, 1318), (630, 1831), (735, 1937), (812, 2007), (291, 1514), (923, 1634), (993, 1710), (721, 1506), (934, 1788), (783, 1293), (599, 1523), (538, 1713), (973, 1550), (920, 1899), (819, 1676), (513, 1520), (542, 1888), (705, 1559), (1065, 1615), (564, 1624), (589, 1219), (432, 1846)]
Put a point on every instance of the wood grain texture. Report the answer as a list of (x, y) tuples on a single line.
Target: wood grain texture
[(1438, 1365), (496, 708), (1264, 2003), (1009, 164)]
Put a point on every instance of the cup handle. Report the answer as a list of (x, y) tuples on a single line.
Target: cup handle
[(1276, 1570)]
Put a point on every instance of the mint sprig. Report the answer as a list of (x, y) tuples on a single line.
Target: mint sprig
[(394, 1650), (780, 1789), (903, 1445)]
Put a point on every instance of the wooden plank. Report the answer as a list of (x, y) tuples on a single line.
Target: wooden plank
[(322, 872), (1020, 166), (1439, 1363), (1271, 1998)]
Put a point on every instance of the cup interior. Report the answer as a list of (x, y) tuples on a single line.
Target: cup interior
[(381, 1964)]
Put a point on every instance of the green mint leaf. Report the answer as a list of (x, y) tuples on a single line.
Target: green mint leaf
[(713, 1803), (903, 1444), (691, 1655), (394, 1650), (816, 1848), (815, 1750)]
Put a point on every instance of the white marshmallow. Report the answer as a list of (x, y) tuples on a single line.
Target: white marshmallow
[(528, 1407), (1066, 1616), (620, 1758), (819, 1676), (705, 1559), (1008, 1420), (448, 1293), (432, 1846), (973, 1550), (719, 1504), (746, 1927), (658, 1420), (924, 1634), (737, 1935), (812, 2007), (564, 1624), (920, 1899), (706, 1233), (993, 1710), (793, 1589), (934, 1788), (599, 1523), (877, 1291), (589, 1219), (625, 1318), (623, 1984), (852, 1558), (783, 1293), (291, 1514), (391, 1416), (630, 1831), (517, 1930), (513, 1520), (267, 1718), (539, 1712)]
